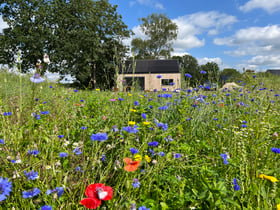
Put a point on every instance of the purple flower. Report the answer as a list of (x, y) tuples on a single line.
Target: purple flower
[(188, 75), (236, 187), (63, 154), (46, 207), (133, 151), (103, 158), (159, 76), (162, 125), (75, 90), (77, 151), (31, 175), (2, 141), (36, 78), (153, 144), (130, 129), (83, 128), (58, 190), (136, 103), (143, 115), (31, 193), (275, 150), (224, 156), (60, 136), (99, 137), (5, 188), (45, 112), (33, 152), (162, 154), (7, 113), (177, 155), (136, 183), (203, 72)]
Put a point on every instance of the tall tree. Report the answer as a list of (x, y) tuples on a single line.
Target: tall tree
[(83, 38), (212, 70), (160, 32)]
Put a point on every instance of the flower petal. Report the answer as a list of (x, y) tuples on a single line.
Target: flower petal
[(109, 190), (91, 203)]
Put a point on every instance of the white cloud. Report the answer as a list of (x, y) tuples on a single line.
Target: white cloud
[(268, 5), (191, 26), (149, 3), (202, 61), (260, 42), (2, 24)]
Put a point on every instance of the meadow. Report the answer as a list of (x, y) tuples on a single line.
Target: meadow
[(64, 148)]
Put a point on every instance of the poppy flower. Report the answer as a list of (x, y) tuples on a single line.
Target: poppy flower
[(91, 203), (95, 194), (131, 165), (77, 104)]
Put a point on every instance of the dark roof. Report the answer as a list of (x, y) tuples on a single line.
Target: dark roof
[(274, 71), (151, 66)]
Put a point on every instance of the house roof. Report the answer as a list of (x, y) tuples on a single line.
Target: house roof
[(274, 71), (151, 66)]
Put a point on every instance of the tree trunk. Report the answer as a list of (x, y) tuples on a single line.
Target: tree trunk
[(93, 76)]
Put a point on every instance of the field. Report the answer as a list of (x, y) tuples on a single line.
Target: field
[(192, 149)]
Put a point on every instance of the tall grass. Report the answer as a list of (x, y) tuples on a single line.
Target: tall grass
[(184, 171)]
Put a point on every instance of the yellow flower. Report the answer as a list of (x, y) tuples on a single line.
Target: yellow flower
[(131, 123), (270, 178), (133, 110), (137, 157), (278, 206), (97, 89), (148, 159), (129, 94), (146, 123)]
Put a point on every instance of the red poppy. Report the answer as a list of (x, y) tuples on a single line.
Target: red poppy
[(77, 104), (96, 193), (99, 191), (91, 203), (131, 165)]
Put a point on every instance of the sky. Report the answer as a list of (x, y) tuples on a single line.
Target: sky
[(233, 33)]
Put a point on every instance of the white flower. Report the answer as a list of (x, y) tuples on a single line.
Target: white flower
[(46, 59)]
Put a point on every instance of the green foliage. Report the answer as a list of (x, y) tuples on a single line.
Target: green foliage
[(212, 71), (160, 32), (198, 131), (82, 39), (229, 74)]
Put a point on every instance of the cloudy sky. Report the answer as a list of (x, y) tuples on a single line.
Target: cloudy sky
[(233, 33)]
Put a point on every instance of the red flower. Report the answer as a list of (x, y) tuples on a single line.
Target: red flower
[(91, 203), (131, 165), (96, 193)]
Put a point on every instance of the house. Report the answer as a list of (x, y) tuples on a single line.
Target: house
[(149, 75), (274, 71)]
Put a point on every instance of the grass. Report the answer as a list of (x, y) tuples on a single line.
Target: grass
[(184, 171)]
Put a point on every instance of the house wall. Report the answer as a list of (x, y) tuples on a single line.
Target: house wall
[(152, 82)]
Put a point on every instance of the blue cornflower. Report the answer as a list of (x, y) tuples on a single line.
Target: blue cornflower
[(63, 154), (83, 127), (162, 154), (143, 208), (2, 141), (31, 193), (136, 103), (188, 75), (153, 144), (46, 207), (136, 183), (103, 158), (224, 156), (45, 112), (172, 83), (36, 116), (177, 155), (77, 151), (75, 90), (5, 188), (244, 126), (159, 76), (152, 152), (163, 108), (130, 129), (275, 150), (58, 190), (164, 89), (114, 128), (120, 99), (99, 137), (82, 100), (203, 72), (7, 113), (51, 86), (36, 78), (33, 152), (60, 136), (236, 187), (254, 76), (168, 138), (162, 125), (143, 115), (31, 175), (134, 151)]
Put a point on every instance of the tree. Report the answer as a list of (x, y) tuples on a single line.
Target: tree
[(160, 32), (82, 38), (229, 74), (212, 70), (189, 65)]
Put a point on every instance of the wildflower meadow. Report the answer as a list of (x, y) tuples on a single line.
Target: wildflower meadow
[(64, 148)]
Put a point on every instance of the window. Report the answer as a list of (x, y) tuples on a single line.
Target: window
[(168, 82)]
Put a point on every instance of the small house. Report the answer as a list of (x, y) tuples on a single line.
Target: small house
[(149, 75), (274, 71)]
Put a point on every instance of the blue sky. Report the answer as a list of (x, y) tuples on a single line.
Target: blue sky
[(233, 33)]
